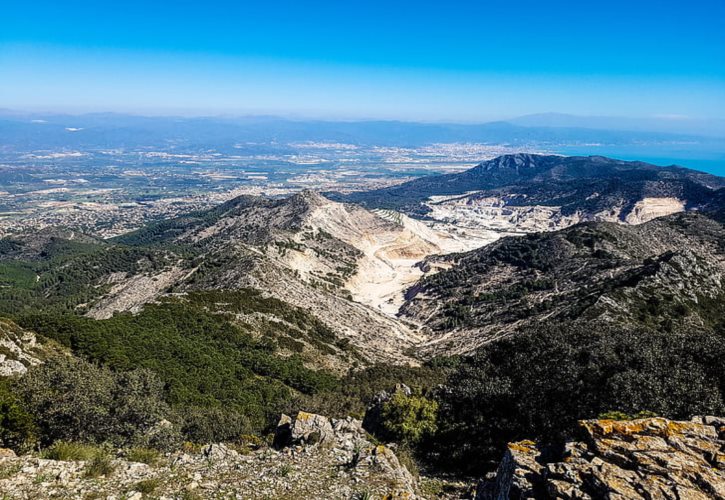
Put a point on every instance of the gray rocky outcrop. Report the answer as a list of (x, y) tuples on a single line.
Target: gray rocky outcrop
[(19, 349), (652, 458)]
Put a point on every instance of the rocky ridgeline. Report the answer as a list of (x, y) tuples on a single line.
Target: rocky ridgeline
[(651, 458), (313, 457)]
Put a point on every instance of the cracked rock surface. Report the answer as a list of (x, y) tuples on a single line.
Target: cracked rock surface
[(652, 458)]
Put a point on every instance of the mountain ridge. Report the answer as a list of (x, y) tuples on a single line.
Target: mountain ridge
[(595, 271)]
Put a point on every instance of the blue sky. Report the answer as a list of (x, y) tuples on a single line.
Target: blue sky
[(452, 60)]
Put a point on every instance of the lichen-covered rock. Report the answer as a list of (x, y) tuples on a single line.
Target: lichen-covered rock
[(644, 458), (310, 428)]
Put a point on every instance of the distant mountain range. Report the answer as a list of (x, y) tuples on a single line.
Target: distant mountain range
[(108, 130), (669, 124)]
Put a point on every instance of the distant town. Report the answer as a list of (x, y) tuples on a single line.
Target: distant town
[(107, 192)]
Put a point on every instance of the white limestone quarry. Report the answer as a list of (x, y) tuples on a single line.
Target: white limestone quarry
[(457, 224), (392, 244), (479, 214), (650, 208), (389, 249)]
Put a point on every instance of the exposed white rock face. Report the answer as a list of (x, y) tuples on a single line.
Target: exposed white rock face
[(497, 214), (19, 349), (649, 208), (390, 245), (388, 252), (131, 293)]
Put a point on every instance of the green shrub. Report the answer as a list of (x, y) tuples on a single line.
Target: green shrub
[(538, 383), (206, 425), (147, 486), (67, 451), (9, 469), (620, 415), (356, 390), (614, 415), (74, 400), (249, 442), (407, 459), (202, 356), (100, 465), (284, 470), (17, 426), (142, 455), (409, 418)]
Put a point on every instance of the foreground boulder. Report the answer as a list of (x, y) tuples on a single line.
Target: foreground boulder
[(652, 458), (327, 458)]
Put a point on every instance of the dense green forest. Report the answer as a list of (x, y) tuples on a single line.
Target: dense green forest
[(538, 383), (63, 275)]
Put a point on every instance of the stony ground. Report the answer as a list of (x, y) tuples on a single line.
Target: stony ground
[(332, 459)]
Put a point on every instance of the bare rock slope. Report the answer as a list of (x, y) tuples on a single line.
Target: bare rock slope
[(346, 265)]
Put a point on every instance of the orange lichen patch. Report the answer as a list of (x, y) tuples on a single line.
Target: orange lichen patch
[(606, 427), (656, 426), (676, 428), (642, 458), (304, 416), (525, 446)]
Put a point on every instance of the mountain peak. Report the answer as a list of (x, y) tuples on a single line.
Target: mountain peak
[(515, 162), (309, 198)]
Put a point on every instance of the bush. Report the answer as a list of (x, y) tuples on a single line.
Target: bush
[(620, 415), (206, 425), (147, 486), (203, 356), (357, 390), (100, 465), (147, 456), (74, 400), (409, 418), (17, 427)]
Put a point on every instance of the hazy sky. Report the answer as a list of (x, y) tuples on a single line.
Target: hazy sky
[(445, 60)]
